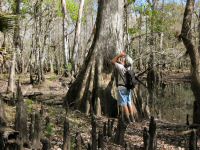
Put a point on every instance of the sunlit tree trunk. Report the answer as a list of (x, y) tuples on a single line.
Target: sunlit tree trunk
[(194, 53), (66, 52), (16, 40), (11, 79), (37, 29), (76, 46)]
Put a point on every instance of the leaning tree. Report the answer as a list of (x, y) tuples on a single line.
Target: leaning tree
[(94, 88), (194, 53)]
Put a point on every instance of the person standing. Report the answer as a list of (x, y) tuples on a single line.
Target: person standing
[(121, 61)]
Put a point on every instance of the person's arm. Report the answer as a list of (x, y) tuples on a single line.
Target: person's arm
[(115, 59)]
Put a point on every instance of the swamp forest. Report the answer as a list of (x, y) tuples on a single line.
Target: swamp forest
[(60, 67)]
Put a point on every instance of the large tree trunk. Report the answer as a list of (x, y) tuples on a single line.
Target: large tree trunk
[(186, 35), (77, 36), (95, 79)]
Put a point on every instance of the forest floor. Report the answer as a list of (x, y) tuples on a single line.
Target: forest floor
[(50, 94)]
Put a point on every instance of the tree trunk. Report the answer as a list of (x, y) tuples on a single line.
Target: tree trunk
[(186, 35), (109, 25), (16, 40), (66, 53), (126, 39), (11, 79), (152, 75), (77, 36)]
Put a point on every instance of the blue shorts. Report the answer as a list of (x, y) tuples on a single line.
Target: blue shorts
[(124, 97)]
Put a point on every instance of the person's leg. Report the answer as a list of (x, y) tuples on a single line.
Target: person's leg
[(130, 107), (126, 113), (123, 103)]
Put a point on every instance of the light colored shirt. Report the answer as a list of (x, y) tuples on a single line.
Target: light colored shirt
[(121, 70)]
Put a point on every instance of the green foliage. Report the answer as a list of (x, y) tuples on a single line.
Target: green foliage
[(48, 1), (72, 8), (49, 130), (52, 111), (132, 31), (86, 10), (141, 9), (131, 1), (29, 104), (53, 77), (69, 67), (160, 19), (25, 7), (12, 4), (58, 9)]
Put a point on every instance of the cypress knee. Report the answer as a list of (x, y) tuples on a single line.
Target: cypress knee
[(66, 135), (193, 141), (94, 138)]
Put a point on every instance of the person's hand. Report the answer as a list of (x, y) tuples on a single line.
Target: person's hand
[(122, 54)]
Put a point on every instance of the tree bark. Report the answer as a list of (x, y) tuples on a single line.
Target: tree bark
[(16, 40), (66, 53), (152, 134), (37, 132), (186, 35), (66, 135), (21, 117), (3, 121), (11, 79), (78, 141), (152, 75)]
